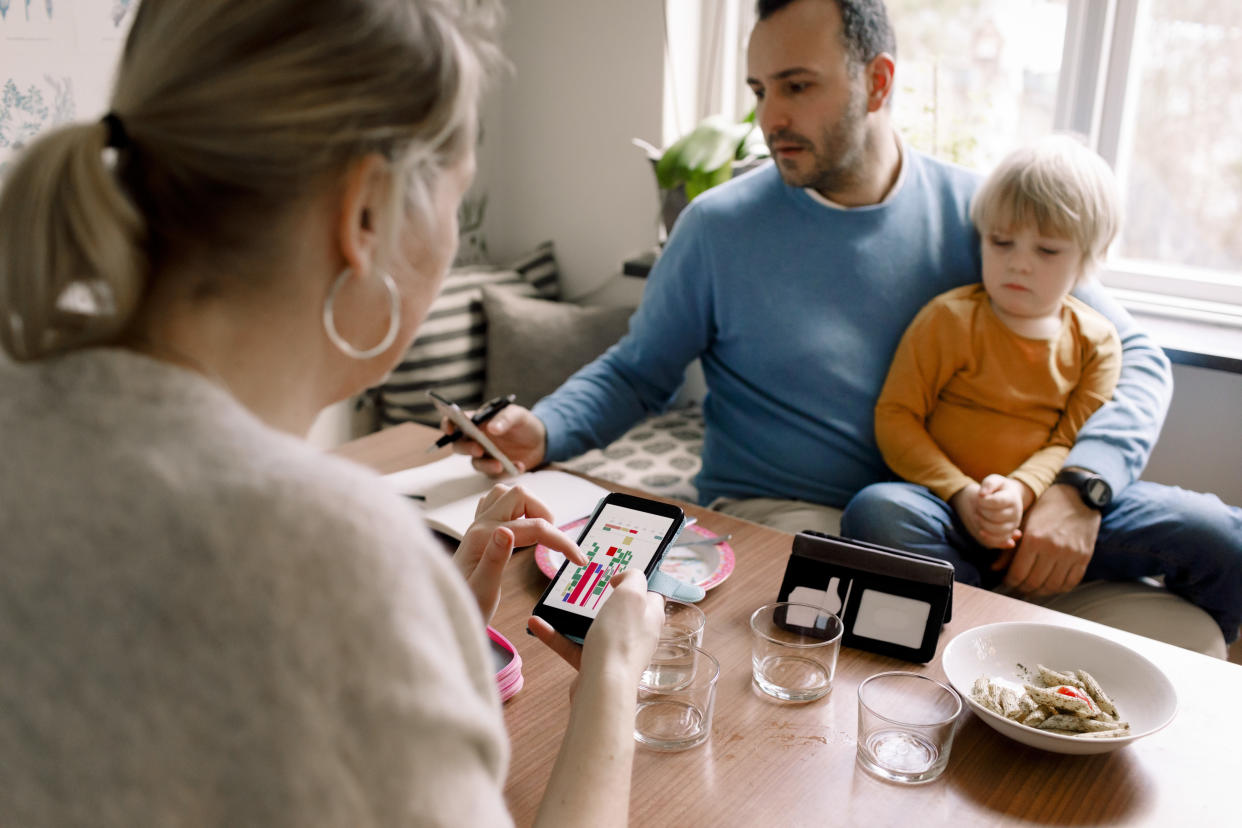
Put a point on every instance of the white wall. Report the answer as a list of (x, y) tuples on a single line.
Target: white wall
[(1200, 447), (556, 157)]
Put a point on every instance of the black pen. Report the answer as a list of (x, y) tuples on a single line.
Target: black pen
[(488, 410)]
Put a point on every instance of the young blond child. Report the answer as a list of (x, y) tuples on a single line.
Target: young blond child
[(991, 382)]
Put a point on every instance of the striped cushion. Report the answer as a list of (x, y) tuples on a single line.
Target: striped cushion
[(449, 353)]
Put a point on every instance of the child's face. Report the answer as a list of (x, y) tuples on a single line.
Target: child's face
[(1027, 274)]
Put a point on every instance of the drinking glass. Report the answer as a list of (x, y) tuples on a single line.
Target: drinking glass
[(794, 650), (680, 718), (672, 663), (906, 723)]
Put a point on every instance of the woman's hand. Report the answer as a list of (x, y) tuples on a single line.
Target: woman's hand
[(515, 431), (623, 636), (600, 734), (506, 517)]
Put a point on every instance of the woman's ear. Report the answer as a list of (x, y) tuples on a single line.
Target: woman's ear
[(361, 201)]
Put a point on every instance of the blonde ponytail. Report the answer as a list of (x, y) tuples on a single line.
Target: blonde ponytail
[(72, 267), (237, 112)]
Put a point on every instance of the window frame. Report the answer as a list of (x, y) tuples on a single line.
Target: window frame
[(1094, 98)]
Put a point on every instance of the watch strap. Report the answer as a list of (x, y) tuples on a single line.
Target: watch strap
[(1081, 479)]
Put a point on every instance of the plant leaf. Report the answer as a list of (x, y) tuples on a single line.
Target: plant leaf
[(705, 149), (753, 146), (702, 181)]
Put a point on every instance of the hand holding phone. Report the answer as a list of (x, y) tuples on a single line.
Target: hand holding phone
[(624, 532), (630, 623), (486, 411), (453, 412)]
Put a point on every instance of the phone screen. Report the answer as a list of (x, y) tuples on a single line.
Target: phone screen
[(619, 538)]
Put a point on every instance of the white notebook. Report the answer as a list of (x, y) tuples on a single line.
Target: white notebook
[(451, 489)]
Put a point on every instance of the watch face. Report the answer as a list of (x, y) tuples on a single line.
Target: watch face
[(1098, 492)]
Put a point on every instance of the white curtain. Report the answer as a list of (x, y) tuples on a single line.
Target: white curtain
[(705, 62)]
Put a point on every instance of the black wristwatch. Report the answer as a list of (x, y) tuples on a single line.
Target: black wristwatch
[(1093, 489)]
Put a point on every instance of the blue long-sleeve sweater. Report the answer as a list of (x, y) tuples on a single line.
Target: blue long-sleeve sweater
[(795, 309)]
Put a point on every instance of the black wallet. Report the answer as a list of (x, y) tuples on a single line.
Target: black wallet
[(891, 602)]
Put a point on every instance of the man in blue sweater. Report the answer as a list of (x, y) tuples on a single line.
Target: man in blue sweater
[(793, 285)]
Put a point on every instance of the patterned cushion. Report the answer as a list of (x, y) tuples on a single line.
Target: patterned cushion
[(449, 352), (659, 455)]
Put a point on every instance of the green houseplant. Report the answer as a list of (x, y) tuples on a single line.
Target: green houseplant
[(710, 154)]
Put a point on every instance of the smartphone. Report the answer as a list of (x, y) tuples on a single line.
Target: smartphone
[(451, 410), (624, 532)]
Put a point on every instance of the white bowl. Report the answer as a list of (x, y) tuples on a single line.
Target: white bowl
[(1143, 694)]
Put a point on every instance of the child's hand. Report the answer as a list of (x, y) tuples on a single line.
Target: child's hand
[(992, 511), (1001, 503)]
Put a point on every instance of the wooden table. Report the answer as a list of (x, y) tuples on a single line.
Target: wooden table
[(769, 763)]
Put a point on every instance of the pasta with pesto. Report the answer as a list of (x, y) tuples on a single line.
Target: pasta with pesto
[(1069, 703)]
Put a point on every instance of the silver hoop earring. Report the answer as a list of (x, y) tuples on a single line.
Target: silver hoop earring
[(394, 318)]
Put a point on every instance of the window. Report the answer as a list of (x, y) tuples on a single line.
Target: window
[(975, 77), (1170, 120), (1153, 84)]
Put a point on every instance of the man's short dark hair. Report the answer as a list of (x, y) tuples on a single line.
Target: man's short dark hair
[(864, 27)]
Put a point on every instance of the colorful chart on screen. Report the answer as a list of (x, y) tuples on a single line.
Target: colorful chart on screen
[(703, 565), (619, 539)]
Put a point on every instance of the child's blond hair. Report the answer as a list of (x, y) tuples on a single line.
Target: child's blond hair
[(1061, 187)]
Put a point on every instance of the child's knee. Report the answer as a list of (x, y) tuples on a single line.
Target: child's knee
[(886, 513)]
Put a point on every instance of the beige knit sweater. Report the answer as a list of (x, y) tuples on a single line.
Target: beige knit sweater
[(206, 622)]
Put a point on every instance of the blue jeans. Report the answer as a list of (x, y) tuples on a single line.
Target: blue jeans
[(1192, 539)]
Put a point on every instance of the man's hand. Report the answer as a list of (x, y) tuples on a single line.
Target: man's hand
[(515, 431), (1057, 544), (992, 510)]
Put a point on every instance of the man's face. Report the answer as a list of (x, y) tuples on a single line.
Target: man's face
[(811, 107)]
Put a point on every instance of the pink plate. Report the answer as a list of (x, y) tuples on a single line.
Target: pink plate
[(703, 565)]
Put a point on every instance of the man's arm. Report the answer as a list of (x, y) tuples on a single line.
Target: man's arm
[(1117, 440), (642, 373)]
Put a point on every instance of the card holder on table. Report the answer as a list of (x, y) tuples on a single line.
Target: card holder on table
[(891, 602)]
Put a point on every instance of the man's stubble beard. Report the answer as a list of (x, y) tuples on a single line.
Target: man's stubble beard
[(839, 155)]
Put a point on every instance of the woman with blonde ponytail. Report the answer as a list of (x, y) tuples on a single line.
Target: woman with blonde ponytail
[(203, 620)]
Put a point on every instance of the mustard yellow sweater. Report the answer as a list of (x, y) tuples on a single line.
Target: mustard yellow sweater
[(967, 397)]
